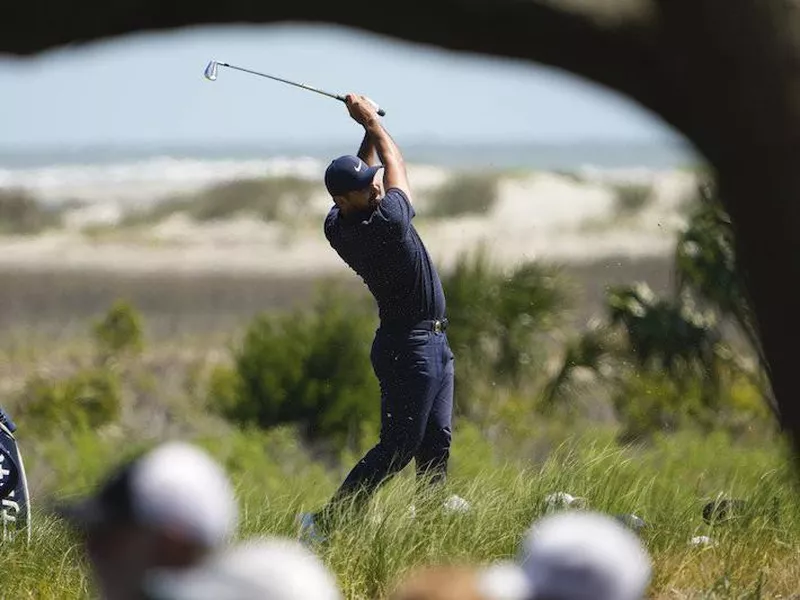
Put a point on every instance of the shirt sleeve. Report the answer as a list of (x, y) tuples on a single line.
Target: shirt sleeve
[(395, 212), (329, 225)]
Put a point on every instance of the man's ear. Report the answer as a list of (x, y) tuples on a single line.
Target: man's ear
[(340, 201)]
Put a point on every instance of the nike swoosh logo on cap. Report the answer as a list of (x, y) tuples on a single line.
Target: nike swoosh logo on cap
[(357, 167)]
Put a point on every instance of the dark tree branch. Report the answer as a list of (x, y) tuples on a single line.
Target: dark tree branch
[(607, 41)]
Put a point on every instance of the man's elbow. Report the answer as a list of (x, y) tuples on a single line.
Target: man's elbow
[(392, 159), (395, 177), (395, 164)]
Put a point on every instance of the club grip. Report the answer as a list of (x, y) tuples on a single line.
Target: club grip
[(379, 110)]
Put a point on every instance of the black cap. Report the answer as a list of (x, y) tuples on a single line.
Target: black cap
[(347, 174), (112, 503)]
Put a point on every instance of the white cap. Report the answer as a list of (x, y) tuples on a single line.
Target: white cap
[(584, 555), (267, 568), (178, 485), (503, 580), (175, 487)]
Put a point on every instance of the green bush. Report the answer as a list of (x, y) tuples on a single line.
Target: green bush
[(632, 197), (667, 367), (119, 331), (663, 333), (21, 213), (498, 319), (592, 353), (651, 401), (309, 367), (89, 398), (464, 194)]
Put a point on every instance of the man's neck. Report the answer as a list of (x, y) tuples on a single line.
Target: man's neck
[(354, 214)]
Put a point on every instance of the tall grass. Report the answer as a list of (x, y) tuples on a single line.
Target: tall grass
[(666, 483)]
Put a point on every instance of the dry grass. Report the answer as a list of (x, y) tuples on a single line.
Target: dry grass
[(22, 214), (471, 193), (631, 198), (269, 199)]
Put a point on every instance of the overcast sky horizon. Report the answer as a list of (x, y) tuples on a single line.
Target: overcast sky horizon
[(149, 89)]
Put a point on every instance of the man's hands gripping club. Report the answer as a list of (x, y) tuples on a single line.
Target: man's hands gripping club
[(364, 112), (361, 109)]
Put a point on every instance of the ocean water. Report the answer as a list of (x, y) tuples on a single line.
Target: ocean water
[(602, 154), (142, 174)]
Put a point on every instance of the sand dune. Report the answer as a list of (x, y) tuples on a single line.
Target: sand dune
[(569, 218)]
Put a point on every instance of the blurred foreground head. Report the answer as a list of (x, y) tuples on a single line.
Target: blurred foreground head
[(584, 556), (268, 568), (440, 582), (502, 580), (167, 509)]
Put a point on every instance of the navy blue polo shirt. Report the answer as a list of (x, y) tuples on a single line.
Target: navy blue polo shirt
[(385, 250)]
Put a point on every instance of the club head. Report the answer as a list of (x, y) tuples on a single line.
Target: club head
[(211, 71)]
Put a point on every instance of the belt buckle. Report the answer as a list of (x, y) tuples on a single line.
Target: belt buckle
[(437, 326)]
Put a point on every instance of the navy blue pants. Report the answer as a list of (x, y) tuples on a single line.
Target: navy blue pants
[(416, 370)]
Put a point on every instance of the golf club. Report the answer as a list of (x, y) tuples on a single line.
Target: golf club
[(211, 74)]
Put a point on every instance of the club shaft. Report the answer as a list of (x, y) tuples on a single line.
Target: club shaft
[(300, 85)]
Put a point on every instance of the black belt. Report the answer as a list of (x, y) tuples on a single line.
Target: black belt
[(437, 325)]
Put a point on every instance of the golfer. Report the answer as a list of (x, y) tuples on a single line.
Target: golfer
[(370, 228)]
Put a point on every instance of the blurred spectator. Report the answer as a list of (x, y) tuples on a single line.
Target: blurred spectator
[(504, 580), (578, 555), (440, 582), (168, 509), (267, 568)]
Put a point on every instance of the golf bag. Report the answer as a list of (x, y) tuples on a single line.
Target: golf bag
[(15, 510)]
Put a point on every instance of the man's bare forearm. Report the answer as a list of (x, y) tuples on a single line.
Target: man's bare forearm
[(366, 151), (394, 175), (383, 143)]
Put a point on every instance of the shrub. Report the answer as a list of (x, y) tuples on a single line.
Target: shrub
[(666, 365), (309, 367), (119, 331), (664, 333), (464, 194), (21, 213), (651, 401), (270, 199), (89, 398), (592, 353), (497, 318), (632, 197)]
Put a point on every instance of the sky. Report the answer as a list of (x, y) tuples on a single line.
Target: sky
[(149, 89)]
